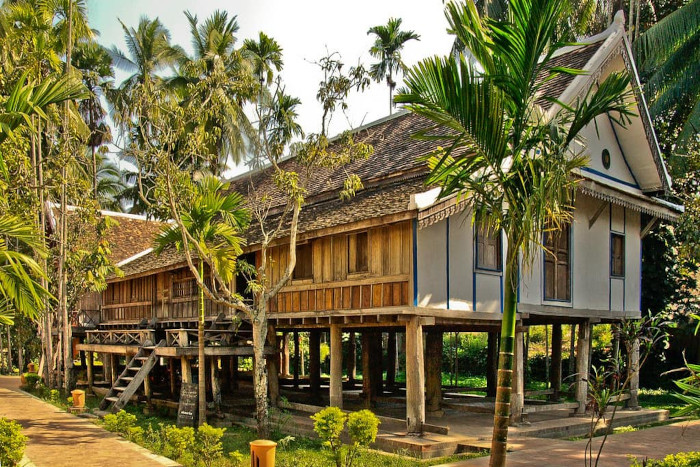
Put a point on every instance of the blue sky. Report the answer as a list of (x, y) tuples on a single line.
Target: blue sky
[(305, 29)]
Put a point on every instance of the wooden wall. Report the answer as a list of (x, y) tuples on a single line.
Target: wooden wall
[(333, 287)]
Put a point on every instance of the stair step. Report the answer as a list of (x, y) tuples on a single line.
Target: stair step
[(112, 399), (127, 378), (120, 388), (141, 358), (134, 368)]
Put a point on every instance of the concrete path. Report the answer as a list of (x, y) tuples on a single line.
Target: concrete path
[(59, 439), (655, 443)]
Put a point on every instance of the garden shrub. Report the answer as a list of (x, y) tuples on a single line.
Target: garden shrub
[(120, 422), (329, 424), (363, 427), (209, 445), (178, 442), (12, 442), (31, 381), (682, 459)]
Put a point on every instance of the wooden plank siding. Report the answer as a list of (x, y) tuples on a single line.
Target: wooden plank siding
[(332, 287)]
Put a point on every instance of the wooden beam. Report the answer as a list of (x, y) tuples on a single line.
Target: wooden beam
[(415, 377), (582, 368), (598, 212), (649, 227)]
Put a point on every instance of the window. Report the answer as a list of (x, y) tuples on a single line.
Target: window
[(617, 255), (488, 248), (358, 252), (304, 266), (557, 265)]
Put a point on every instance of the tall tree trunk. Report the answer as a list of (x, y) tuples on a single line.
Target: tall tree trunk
[(94, 172), (505, 362), (62, 277), (201, 367), (20, 349), (260, 369), (9, 350)]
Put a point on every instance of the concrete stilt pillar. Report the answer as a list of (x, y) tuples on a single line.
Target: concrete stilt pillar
[(517, 398), (186, 370), (415, 377), (433, 371), (391, 361), (633, 366), (315, 363), (492, 364), (582, 367), (336, 384), (90, 369), (273, 383), (215, 383), (285, 354), (555, 372)]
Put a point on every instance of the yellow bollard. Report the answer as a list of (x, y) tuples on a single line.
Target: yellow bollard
[(78, 398), (262, 453)]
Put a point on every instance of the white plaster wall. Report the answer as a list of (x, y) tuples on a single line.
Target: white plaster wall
[(461, 261), (591, 255), (432, 265), (488, 292), (633, 260)]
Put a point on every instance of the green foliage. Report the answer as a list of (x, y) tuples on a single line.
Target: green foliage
[(120, 422), (363, 427), (209, 447), (12, 442), (682, 459), (329, 424), (31, 381), (690, 385)]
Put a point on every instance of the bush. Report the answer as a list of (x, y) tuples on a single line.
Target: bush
[(177, 442), (31, 381), (12, 442), (209, 445), (120, 422), (363, 427), (682, 459)]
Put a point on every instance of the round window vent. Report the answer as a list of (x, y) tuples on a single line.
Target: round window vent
[(606, 159)]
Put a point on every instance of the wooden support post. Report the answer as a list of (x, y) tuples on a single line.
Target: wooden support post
[(582, 368), (555, 373), (315, 363), (377, 366), (366, 337), (391, 361), (433, 371), (633, 368), (113, 368), (351, 363), (186, 370), (572, 349), (215, 385), (517, 398), (147, 388), (336, 384), (171, 375), (90, 369), (415, 378), (491, 364), (297, 362), (285, 354), (273, 382)]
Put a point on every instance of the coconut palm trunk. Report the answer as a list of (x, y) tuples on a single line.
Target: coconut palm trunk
[(201, 367)]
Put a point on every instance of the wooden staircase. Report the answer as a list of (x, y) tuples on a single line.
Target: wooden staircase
[(132, 377)]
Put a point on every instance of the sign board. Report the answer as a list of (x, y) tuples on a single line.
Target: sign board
[(187, 410)]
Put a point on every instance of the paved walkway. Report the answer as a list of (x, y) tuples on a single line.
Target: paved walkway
[(655, 442), (59, 439)]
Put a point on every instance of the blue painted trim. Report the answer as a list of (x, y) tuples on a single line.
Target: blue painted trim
[(609, 177), (624, 158), (415, 262), (447, 260)]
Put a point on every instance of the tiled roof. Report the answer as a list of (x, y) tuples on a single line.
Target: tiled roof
[(168, 259), (576, 58), (131, 236)]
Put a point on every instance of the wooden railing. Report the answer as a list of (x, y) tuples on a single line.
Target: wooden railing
[(122, 337), (133, 311), (189, 338), (85, 318)]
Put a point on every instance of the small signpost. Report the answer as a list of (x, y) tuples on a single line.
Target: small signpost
[(187, 410)]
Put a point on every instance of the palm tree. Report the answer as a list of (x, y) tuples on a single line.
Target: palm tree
[(504, 156), (216, 77), (95, 64), (214, 220), (265, 54), (387, 48), (668, 56)]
